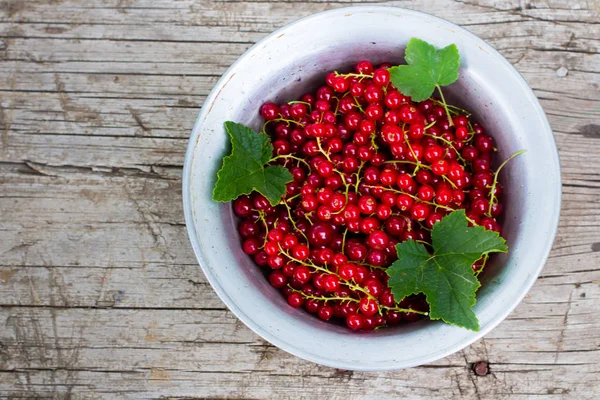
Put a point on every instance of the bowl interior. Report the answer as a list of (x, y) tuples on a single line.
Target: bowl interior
[(283, 67)]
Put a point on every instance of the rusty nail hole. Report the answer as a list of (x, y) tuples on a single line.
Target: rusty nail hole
[(481, 368)]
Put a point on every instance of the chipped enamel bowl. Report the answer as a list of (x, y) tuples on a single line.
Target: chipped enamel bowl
[(293, 60)]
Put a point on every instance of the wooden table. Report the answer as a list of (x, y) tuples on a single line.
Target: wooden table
[(100, 293)]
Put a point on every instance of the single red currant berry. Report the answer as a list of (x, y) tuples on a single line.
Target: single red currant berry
[(288, 269), (432, 219), (341, 84), (357, 89), (261, 202), (392, 117), (271, 248), (481, 165), (483, 180), (324, 195), (460, 121), (324, 213), (368, 306), (388, 177), (408, 113), (490, 224), (388, 198), (368, 225), (261, 258), (242, 207), (295, 300), (312, 305), (373, 94), (302, 274), (484, 143), (330, 78), (419, 211), (480, 206), (455, 171), (425, 193), (251, 246), (357, 252), (378, 159), (360, 274), (320, 234), (347, 271), (405, 182), (331, 283), (376, 257), (309, 202), (275, 235), (269, 111), (355, 321), (416, 131), (364, 67), (496, 209), (444, 196), (374, 287), (298, 110), (383, 211), (371, 176), (404, 202), (365, 153), (387, 298), (276, 261), (458, 196), (300, 252), (277, 279), (440, 167), (289, 241), (424, 177), (461, 133), (374, 112), (395, 225), (248, 229), (378, 240), (367, 204), (381, 77), (325, 313), (469, 153), (325, 169), (351, 213), (393, 317), (393, 99), (337, 202)]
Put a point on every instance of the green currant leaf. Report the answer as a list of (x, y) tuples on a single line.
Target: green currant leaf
[(427, 69), (244, 170), (446, 276)]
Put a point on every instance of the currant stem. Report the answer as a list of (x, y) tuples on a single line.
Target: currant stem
[(449, 143), (454, 109), (359, 76), (286, 156), (411, 196), (351, 286), (495, 183), (351, 299), (289, 211), (444, 177), (445, 105), (485, 259)]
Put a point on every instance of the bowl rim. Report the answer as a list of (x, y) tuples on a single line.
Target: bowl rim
[(286, 345)]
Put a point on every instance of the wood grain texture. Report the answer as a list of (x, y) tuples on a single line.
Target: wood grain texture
[(100, 293)]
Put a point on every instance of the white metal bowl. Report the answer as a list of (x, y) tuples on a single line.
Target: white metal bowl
[(291, 61)]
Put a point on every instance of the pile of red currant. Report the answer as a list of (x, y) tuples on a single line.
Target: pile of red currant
[(371, 169)]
